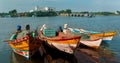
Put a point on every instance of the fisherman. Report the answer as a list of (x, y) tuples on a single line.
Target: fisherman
[(19, 29), (65, 29), (60, 29), (27, 30), (19, 32)]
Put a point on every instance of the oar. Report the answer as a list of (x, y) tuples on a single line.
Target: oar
[(6, 40)]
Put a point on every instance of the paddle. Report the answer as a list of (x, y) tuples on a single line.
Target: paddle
[(6, 40)]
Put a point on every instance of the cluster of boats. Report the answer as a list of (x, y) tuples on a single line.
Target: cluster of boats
[(65, 40)]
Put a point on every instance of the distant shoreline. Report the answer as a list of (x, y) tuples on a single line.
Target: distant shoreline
[(14, 13)]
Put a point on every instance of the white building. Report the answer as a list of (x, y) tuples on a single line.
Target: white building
[(43, 8), (36, 8), (31, 11), (116, 12)]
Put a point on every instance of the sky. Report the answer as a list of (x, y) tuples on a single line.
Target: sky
[(74, 5)]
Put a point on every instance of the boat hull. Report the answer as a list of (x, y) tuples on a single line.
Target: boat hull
[(25, 46), (24, 53), (106, 37), (20, 46), (63, 42), (67, 46), (92, 43)]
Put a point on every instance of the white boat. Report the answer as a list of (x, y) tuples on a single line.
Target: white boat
[(106, 36)]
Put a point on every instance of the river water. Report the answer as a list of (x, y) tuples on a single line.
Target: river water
[(98, 23)]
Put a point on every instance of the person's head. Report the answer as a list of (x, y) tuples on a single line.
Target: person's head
[(18, 27), (28, 27), (60, 28)]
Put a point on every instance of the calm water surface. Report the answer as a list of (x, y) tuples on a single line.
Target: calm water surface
[(99, 23)]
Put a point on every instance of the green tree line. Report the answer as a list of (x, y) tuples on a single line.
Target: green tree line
[(14, 13)]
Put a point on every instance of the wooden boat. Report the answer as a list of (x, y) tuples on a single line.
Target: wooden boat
[(93, 42), (20, 46), (34, 45), (106, 36), (63, 42), (25, 46)]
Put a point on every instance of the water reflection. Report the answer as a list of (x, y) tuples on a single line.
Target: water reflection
[(53, 55), (105, 45), (81, 55)]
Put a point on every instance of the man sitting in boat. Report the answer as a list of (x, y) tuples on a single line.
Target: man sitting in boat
[(65, 29), (19, 32), (22, 33), (27, 30)]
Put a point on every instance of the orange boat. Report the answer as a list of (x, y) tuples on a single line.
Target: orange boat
[(63, 42), (20, 46), (106, 36), (25, 46)]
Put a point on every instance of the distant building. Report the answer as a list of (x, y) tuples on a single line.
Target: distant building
[(117, 12), (37, 8), (31, 11)]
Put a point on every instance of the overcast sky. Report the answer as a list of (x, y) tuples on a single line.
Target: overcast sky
[(74, 5)]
